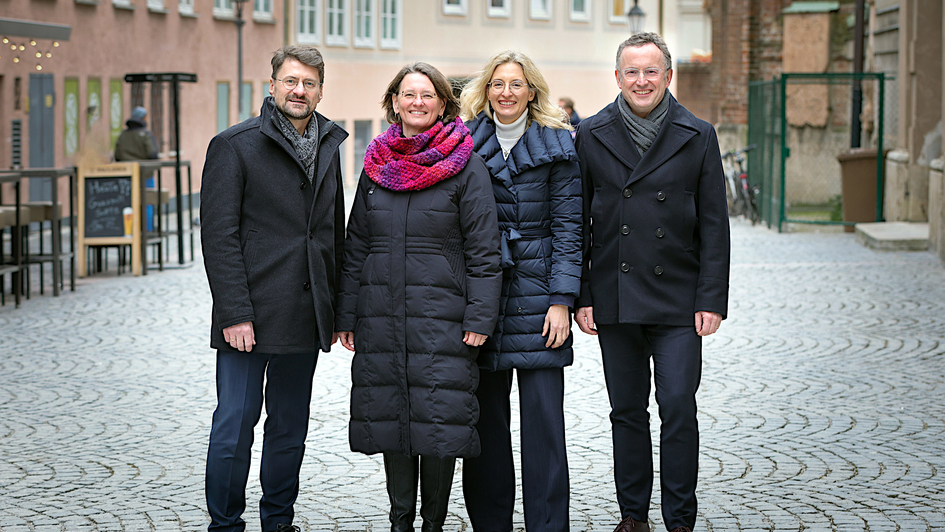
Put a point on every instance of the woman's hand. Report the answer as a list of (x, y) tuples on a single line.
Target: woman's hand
[(557, 326), (347, 339), (474, 339)]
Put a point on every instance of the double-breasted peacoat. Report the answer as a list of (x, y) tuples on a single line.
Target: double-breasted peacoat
[(421, 267), (272, 239), (656, 233), (538, 197)]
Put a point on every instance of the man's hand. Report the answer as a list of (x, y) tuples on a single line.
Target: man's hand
[(585, 320), (347, 339), (557, 326), (707, 322), (474, 339), (240, 336)]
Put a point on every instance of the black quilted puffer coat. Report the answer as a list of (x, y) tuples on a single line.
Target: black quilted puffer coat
[(420, 268), (538, 195)]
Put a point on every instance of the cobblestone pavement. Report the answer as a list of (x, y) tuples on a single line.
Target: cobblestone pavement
[(821, 405)]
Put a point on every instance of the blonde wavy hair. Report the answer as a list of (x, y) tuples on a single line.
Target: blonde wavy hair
[(475, 96)]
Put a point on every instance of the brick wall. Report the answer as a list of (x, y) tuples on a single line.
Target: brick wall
[(692, 82)]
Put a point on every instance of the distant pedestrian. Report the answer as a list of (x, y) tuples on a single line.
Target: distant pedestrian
[(656, 270), (419, 295), (526, 142), (272, 215), (136, 142), (568, 105)]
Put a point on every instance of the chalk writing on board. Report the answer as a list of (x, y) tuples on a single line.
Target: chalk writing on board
[(105, 199)]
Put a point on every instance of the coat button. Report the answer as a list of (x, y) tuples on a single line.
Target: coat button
[(519, 310), (302, 185), (625, 229), (660, 195), (658, 270), (306, 286), (311, 235), (627, 192), (659, 232), (624, 267)]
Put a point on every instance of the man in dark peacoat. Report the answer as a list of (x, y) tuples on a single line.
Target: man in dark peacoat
[(272, 212), (656, 269)]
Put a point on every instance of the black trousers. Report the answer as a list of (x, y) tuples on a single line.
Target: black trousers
[(677, 365), (288, 392), (489, 479)]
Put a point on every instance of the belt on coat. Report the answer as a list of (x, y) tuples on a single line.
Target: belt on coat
[(511, 234)]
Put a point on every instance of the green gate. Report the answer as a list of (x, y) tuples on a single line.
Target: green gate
[(799, 124)]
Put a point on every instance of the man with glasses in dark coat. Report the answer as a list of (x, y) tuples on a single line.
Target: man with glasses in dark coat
[(656, 269), (272, 214)]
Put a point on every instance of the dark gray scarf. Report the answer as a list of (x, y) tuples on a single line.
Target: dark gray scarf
[(643, 130), (306, 146)]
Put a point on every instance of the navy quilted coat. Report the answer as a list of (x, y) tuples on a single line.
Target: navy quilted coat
[(420, 268), (538, 196)]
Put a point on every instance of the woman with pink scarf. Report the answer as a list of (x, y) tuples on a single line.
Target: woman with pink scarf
[(419, 294)]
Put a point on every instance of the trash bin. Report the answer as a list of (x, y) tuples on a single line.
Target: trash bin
[(858, 185)]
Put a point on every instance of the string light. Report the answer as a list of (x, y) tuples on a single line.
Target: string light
[(39, 52), (16, 59), (39, 67)]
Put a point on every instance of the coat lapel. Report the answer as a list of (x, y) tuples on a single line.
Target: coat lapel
[(615, 136)]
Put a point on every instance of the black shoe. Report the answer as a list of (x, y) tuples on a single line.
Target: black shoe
[(281, 527), (629, 524)]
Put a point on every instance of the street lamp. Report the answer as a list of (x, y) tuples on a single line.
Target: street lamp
[(635, 17), (239, 56)]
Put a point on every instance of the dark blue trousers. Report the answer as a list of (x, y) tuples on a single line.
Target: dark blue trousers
[(489, 479), (288, 392), (677, 366)]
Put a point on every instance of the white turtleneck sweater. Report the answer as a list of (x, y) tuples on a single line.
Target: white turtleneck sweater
[(508, 134)]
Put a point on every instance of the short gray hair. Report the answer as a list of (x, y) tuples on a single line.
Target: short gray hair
[(642, 39)]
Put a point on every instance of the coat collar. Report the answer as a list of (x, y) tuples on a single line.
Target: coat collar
[(539, 145), (678, 128)]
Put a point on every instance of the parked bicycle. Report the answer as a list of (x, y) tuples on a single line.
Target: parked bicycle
[(742, 195)]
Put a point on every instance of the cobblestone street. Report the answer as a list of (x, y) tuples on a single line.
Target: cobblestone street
[(822, 405)]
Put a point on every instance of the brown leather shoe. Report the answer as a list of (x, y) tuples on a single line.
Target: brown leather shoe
[(681, 529), (629, 524)]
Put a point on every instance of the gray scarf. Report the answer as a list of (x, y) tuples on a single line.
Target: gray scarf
[(643, 130), (306, 146)]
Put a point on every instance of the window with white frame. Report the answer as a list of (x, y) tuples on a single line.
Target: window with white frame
[(580, 10), (262, 9), (499, 8), (539, 9), (310, 18), (223, 8), (185, 7), (121, 3), (454, 7), (336, 22), (156, 5), (391, 24), (364, 23), (618, 11)]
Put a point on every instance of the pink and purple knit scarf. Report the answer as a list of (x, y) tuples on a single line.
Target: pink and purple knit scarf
[(398, 163)]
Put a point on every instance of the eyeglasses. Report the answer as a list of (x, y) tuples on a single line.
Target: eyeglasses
[(514, 86), (292, 83), (412, 96), (650, 74)]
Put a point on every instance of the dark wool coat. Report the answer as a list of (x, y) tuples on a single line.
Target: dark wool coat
[(538, 196), (656, 246), (420, 268), (272, 241)]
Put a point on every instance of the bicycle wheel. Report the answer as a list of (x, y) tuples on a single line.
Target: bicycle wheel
[(750, 200)]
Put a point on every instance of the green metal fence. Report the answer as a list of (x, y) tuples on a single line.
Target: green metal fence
[(800, 123)]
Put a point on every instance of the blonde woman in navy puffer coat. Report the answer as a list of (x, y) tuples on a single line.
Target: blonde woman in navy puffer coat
[(526, 143)]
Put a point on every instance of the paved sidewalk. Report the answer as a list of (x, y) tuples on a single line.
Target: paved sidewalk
[(822, 405)]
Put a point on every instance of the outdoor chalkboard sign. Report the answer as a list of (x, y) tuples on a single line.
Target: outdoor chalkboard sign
[(106, 201), (110, 211)]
